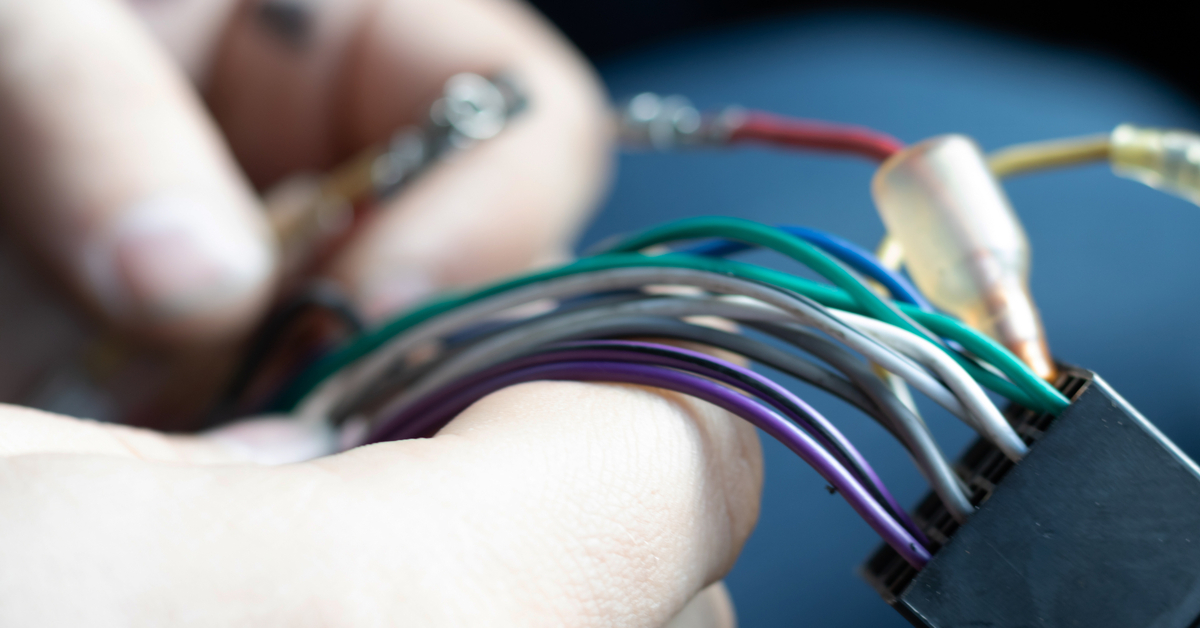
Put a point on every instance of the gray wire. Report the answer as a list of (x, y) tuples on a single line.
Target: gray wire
[(750, 349), (391, 356), (634, 326), (505, 345), (402, 373), (359, 376), (508, 344), (988, 420), (912, 431)]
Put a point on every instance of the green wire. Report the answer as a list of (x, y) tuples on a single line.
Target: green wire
[(865, 300), (1025, 388), (766, 236)]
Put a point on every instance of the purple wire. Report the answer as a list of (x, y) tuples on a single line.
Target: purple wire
[(416, 420), (618, 350), (807, 418), (659, 377)]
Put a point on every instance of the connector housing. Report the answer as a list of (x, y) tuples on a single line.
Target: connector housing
[(1099, 526)]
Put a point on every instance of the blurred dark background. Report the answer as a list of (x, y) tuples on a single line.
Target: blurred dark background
[(1153, 35), (1115, 264)]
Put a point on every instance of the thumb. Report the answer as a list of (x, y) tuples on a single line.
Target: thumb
[(114, 175), (550, 503)]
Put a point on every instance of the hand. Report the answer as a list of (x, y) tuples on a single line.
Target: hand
[(140, 195), (545, 504)]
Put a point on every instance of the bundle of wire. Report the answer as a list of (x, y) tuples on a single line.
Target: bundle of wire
[(597, 304), (588, 321)]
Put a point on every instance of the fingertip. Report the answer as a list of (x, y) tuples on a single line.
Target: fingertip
[(385, 291), (174, 267), (117, 176), (499, 207)]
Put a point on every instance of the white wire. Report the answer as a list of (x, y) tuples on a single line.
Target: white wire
[(896, 384), (502, 346), (987, 418), (913, 433), (896, 363), (357, 376)]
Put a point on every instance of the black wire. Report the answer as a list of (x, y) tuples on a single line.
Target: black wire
[(319, 295)]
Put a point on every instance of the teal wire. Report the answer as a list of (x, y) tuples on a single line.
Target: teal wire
[(1024, 388)]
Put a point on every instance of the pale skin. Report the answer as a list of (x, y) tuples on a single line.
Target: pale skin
[(546, 504)]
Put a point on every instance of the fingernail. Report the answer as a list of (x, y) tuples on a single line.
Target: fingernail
[(172, 257), (387, 293)]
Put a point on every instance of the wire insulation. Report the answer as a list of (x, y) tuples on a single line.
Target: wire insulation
[(759, 234), (797, 307), (759, 126), (987, 419), (770, 422), (700, 364), (643, 325), (1024, 388), (1059, 153), (512, 342), (844, 251), (908, 426)]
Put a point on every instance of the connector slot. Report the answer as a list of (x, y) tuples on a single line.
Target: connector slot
[(982, 466)]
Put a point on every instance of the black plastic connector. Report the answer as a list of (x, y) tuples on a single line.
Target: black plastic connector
[(1099, 526)]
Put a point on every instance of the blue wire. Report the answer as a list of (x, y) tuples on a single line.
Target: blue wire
[(845, 251)]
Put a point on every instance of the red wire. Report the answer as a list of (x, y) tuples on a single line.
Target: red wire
[(758, 126)]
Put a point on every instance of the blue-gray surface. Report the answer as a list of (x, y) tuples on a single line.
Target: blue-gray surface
[(1116, 265)]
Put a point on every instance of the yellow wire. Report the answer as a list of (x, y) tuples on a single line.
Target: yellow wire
[(1034, 156), (1021, 159), (1006, 162)]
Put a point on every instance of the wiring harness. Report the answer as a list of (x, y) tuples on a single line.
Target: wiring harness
[(867, 335)]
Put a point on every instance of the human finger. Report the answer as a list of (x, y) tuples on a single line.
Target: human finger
[(27, 432), (712, 608), (114, 174), (353, 72), (615, 504), (543, 504)]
